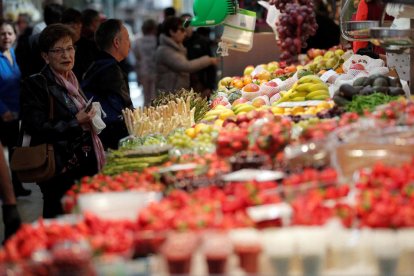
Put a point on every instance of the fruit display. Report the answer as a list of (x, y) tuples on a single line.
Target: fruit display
[(322, 61), (296, 24), (160, 119), (198, 103), (307, 88)]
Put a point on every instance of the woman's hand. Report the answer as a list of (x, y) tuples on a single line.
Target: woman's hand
[(214, 60), (85, 117)]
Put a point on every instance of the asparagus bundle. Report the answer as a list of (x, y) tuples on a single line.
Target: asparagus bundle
[(160, 119)]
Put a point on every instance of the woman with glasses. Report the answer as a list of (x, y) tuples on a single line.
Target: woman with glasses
[(78, 150), (173, 67)]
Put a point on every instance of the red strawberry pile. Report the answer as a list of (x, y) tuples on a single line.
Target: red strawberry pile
[(386, 196), (126, 181), (273, 136), (208, 207), (104, 237), (231, 141), (396, 113)]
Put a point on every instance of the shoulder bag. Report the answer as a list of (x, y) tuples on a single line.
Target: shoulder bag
[(37, 163)]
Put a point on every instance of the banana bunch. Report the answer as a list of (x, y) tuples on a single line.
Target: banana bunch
[(243, 107), (307, 88), (219, 112)]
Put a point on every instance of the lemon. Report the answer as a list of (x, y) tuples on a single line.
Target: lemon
[(191, 132)]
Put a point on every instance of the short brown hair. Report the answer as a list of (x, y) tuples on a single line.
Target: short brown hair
[(52, 34), (106, 33)]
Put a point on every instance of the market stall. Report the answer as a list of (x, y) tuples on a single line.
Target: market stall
[(302, 168)]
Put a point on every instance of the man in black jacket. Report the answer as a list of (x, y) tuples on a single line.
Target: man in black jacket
[(107, 82)]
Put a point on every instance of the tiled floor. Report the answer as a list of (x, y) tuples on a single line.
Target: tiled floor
[(30, 207)]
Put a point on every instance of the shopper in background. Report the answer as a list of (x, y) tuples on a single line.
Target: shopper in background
[(78, 150), (23, 24), (87, 50), (202, 81), (173, 67), (107, 82), (27, 52), (38, 28), (73, 19), (11, 217), (144, 51), (9, 96), (167, 12)]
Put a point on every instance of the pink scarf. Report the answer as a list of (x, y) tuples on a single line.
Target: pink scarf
[(72, 85)]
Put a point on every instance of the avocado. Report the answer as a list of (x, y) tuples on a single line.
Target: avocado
[(340, 101), (358, 88), (347, 91), (360, 81), (368, 81), (367, 90), (381, 89), (396, 91), (380, 82)]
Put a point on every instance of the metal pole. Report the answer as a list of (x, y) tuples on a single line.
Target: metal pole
[(411, 63)]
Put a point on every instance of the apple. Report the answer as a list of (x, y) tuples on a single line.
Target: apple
[(357, 66), (225, 82), (272, 66), (247, 79), (248, 70), (240, 101), (251, 87), (263, 75), (258, 102), (271, 84), (279, 72)]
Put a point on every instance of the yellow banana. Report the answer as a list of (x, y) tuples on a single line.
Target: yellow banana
[(320, 98), (234, 108), (245, 108), (210, 118), (298, 99), (310, 79), (214, 112), (318, 94), (298, 94), (304, 87), (318, 86)]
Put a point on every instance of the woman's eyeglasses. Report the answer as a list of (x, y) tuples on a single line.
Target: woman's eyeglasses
[(61, 51)]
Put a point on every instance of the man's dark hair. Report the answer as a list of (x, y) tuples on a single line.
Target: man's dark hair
[(52, 34), (53, 13), (106, 33), (170, 11), (88, 16), (71, 16), (171, 23), (149, 26)]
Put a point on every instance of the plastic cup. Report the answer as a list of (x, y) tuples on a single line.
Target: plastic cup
[(178, 250), (216, 248), (247, 246), (279, 247)]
